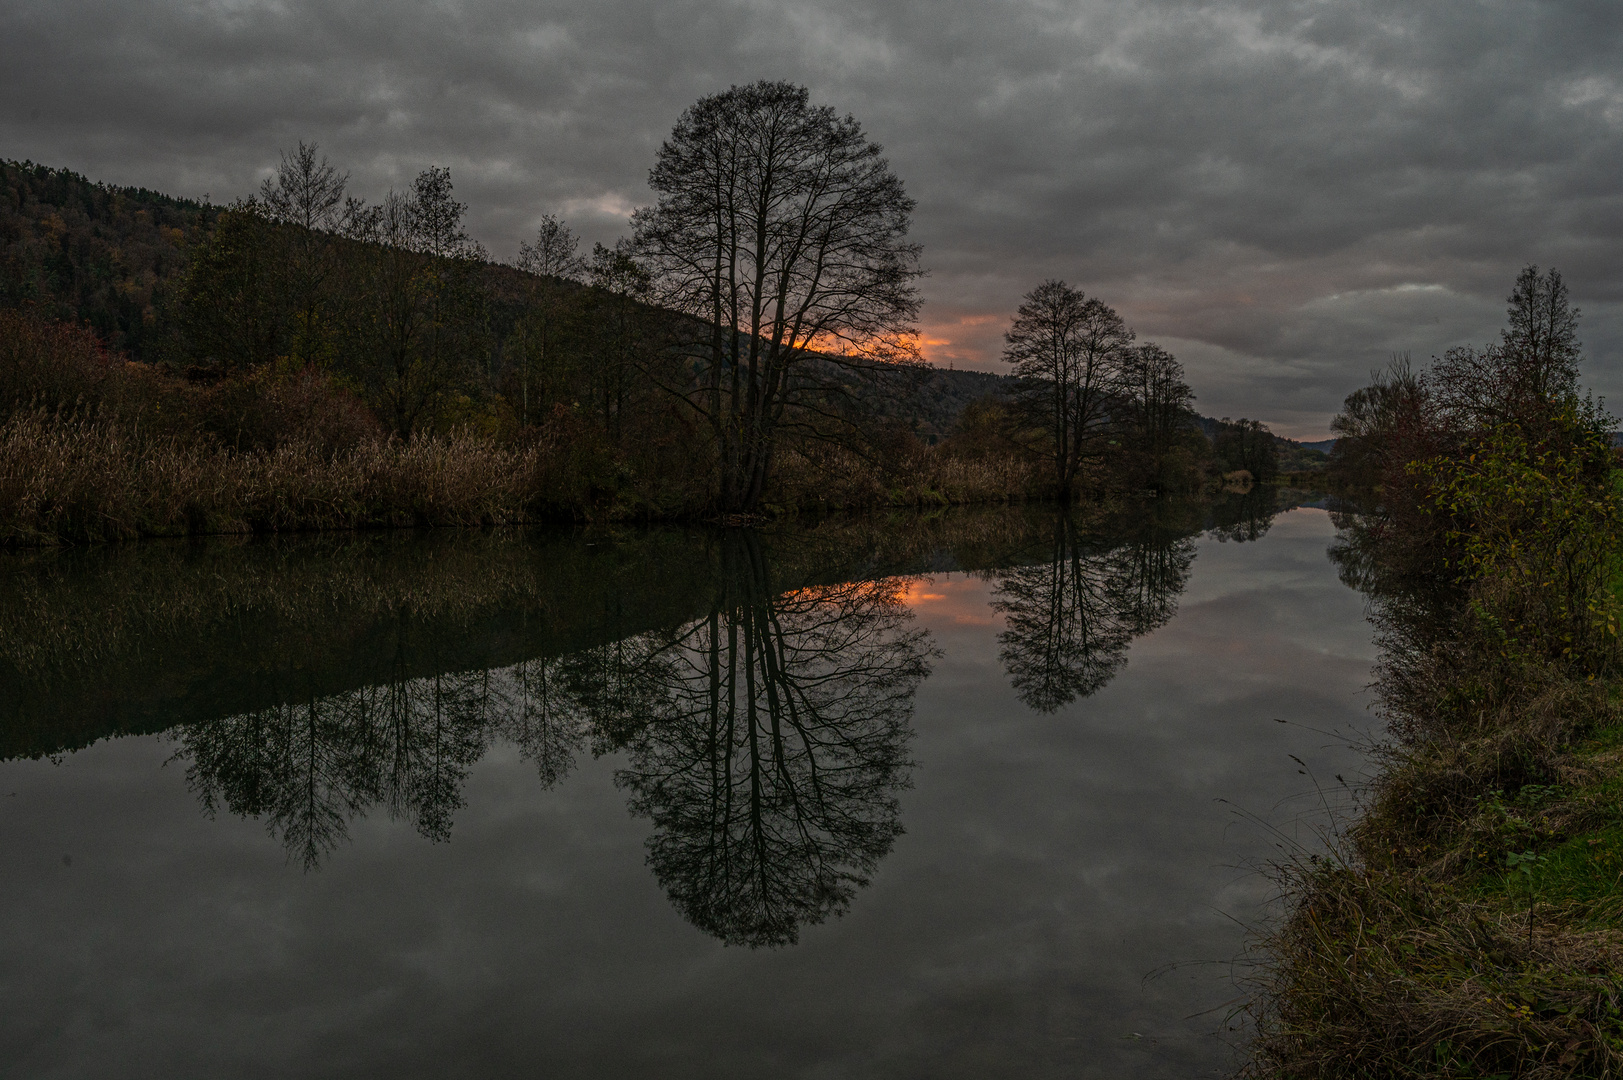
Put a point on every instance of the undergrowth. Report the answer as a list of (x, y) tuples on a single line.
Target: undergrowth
[(1470, 921)]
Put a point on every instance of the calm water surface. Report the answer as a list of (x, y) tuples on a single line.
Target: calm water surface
[(973, 798)]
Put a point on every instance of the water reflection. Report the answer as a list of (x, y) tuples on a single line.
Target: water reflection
[(1071, 618), (1248, 515), (771, 763), (759, 687), (307, 768)]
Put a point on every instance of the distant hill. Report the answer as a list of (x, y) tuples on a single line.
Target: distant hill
[(109, 257), (932, 405), (932, 408), (1293, 456), (93, 253)]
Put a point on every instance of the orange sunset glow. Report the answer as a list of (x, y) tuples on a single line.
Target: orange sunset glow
[(972, 341)]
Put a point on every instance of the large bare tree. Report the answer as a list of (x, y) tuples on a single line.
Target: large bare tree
[(781, 229), (1071, 351)]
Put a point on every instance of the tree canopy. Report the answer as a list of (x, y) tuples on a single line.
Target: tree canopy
[(780, 227)]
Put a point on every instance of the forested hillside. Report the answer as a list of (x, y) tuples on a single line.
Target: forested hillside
[(93, 254), (114, 259)]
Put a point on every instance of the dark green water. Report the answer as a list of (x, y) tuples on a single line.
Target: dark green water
[(973, 796)]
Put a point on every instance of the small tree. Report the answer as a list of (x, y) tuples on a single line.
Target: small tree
[(1159, 407), (417, 301), (229, 312), (306, 196), (782, 232), (1528, 377), (620, 292), (1072, 352), (1249, 445), (1378, 425), (538, 340)]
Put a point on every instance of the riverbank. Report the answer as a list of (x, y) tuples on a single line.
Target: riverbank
[(1470, 921), (1472, 925), (78, 479)]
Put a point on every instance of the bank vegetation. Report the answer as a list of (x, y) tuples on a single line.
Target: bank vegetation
[(1470, 923)]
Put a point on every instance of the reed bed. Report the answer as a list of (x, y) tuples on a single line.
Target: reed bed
[(78, 479)]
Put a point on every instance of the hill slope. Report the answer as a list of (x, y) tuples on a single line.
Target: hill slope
[(92, 253)]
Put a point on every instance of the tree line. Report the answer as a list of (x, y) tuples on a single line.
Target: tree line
[(749, 346), (1098, 406), (1481, 517)]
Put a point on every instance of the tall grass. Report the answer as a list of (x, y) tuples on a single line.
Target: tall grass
[(84, 478), (817, 476), (1471, 923)]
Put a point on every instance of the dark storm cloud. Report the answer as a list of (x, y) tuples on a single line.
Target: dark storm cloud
[(1284, 192)]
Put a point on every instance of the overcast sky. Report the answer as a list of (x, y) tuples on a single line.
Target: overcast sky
[(1282, 192)]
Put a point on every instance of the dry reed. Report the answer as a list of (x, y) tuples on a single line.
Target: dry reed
[(75, 479)]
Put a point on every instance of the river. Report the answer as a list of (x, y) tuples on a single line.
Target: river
[(981, 795)]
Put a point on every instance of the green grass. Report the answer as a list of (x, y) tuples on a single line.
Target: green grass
[(1583, 869)]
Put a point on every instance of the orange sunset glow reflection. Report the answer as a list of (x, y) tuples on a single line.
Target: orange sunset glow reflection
[(960, 598)]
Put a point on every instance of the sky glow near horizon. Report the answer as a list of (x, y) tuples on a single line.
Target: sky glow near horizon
[(1281, 192)]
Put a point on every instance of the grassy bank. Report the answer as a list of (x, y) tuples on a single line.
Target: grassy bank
[(1470, 922), (1472, 925)]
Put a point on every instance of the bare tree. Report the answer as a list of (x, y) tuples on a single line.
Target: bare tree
[(623, 332), (537, 343), (1159, 402), (781, 229), (418, 290), (305, 191), (307, 195), (1071, 350), (1532, 370), (555, 253)]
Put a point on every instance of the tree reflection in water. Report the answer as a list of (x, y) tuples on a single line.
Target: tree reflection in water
[(766, 742), (309, 767), (771, 773), (1070, 619)]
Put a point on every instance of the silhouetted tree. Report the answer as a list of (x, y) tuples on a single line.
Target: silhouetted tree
[(1249, 445), (230, 311), (1376, 422), (1160, 418), (307, 195), (1396, 434), (1071, 352), (624, 336), (1532, 372), (539, 341), (418, 300), (781, 229)]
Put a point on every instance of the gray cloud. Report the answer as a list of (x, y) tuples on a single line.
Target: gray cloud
[(1283, 190)]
